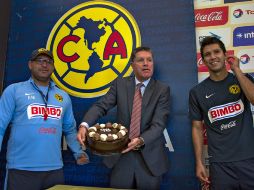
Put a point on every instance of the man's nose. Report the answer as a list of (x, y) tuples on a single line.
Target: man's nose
[(44, 63), (145, 62), (213, 55)]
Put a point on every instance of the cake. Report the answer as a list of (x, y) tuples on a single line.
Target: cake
[(107, 139)]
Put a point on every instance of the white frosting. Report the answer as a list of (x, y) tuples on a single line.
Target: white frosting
[(105, 130), (114, 125), (91, 134), (102, 125), (94, 128), (103, 137), (122, 132), (115, 136)]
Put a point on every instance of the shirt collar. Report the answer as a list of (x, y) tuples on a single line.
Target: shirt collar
[(145, 83), (51, 82)]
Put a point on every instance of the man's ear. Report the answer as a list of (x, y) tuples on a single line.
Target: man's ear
[(203, 61), (30, 65), (132, 65)]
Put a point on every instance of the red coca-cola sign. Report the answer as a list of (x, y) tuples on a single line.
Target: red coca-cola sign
[(211, 16)]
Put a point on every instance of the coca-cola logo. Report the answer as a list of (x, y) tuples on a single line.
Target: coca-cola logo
[(228, 126), (211, 16), (217, 15)]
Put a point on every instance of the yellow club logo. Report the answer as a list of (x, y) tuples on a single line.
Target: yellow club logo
[(234, 89), (92, 45), (59, 97)]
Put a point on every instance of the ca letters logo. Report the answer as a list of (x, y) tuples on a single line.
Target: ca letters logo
[(92, 44)]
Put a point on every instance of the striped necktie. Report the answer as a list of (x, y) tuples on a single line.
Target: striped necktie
[(136, 113)]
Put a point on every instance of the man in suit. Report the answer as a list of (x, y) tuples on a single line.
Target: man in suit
[(143, 162)]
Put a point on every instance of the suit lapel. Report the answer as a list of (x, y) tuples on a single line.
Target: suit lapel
[(148, 94), (130, 92)]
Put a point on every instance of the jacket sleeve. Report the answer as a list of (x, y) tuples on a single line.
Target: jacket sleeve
[(7, 107), (102, 106), (70, 131)]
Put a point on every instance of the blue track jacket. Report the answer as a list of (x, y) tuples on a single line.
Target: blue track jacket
[(34, 143)]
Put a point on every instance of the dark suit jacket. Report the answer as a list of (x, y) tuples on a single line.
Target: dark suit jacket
[(155, 112)]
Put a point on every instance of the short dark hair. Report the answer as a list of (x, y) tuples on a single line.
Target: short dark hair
[(211, 40), (138, 49)]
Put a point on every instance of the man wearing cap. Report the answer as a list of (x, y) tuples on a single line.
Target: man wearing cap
[(38, 113)]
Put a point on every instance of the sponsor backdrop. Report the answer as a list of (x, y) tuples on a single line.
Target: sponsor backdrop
[(232, 21), (92, 43)]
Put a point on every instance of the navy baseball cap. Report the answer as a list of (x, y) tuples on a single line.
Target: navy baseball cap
[(41, 51)]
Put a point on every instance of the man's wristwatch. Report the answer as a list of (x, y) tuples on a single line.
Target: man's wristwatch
[(138, 147), (142, 141), (80, 126), (83, 124)]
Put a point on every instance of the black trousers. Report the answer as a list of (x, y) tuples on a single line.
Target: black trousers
[(34, 180), (237, 175)]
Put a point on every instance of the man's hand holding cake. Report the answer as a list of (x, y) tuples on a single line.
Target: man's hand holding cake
[(104, 139), (81, 136), (135, 144)]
